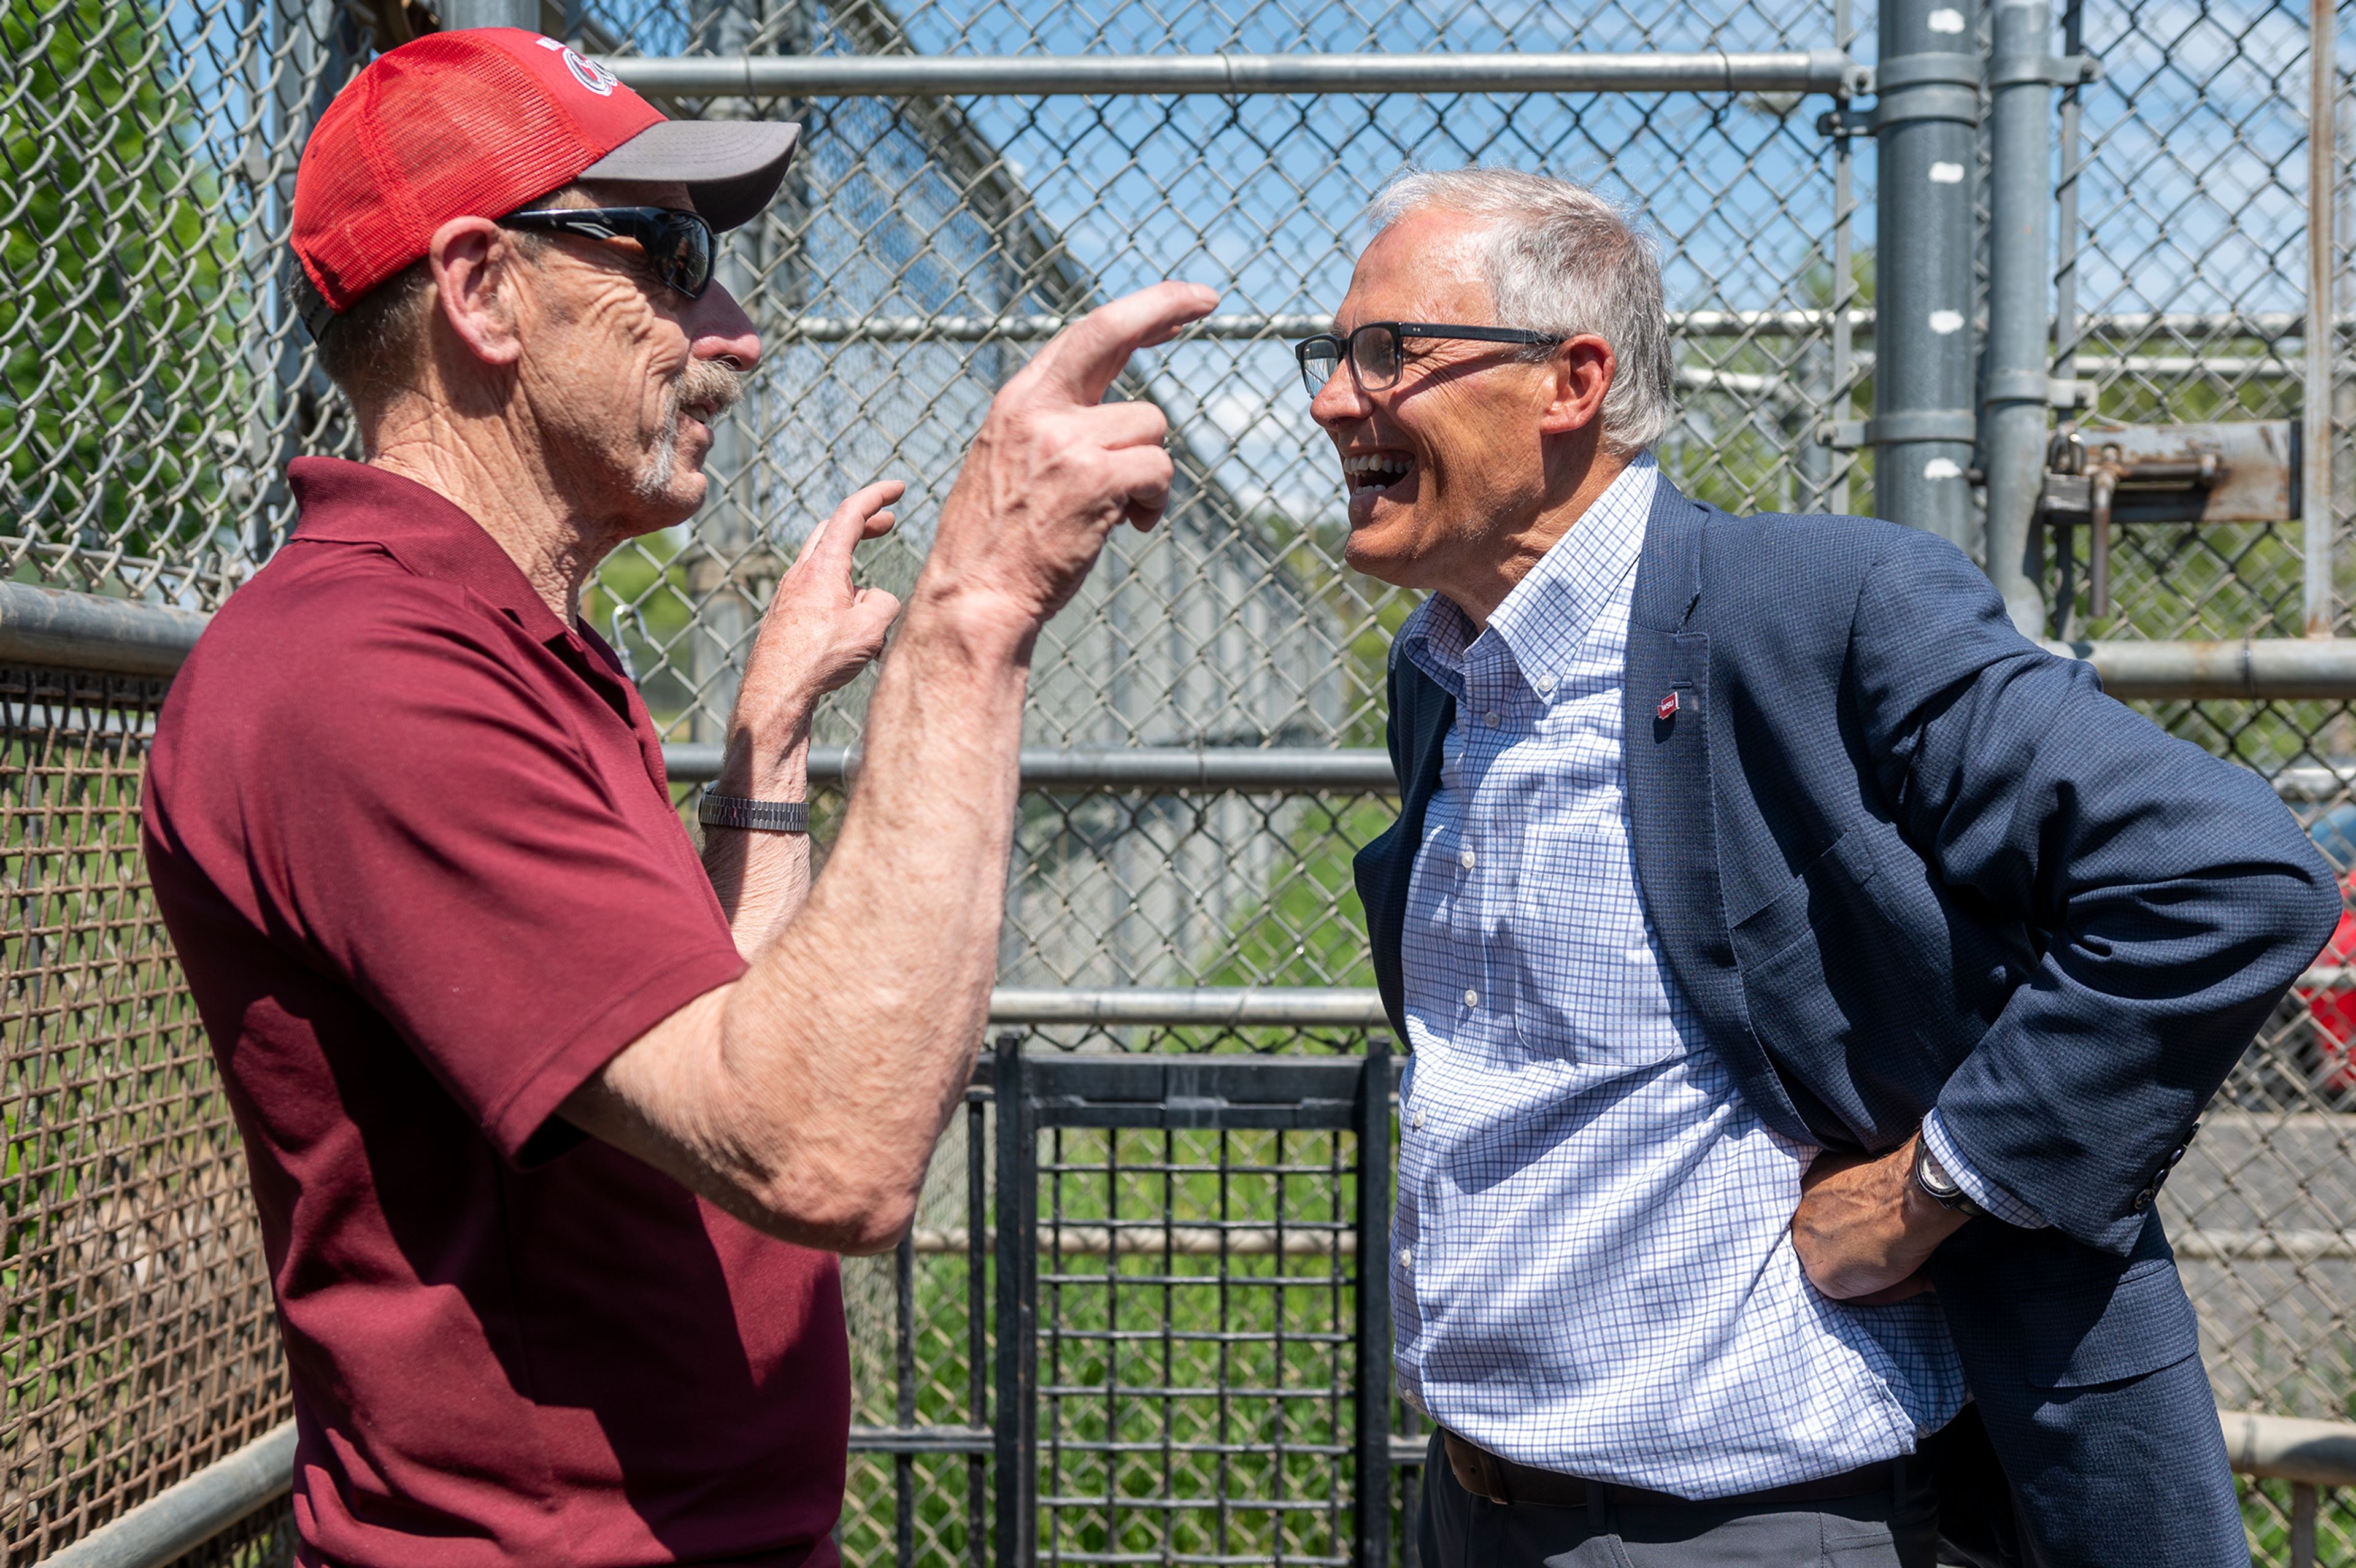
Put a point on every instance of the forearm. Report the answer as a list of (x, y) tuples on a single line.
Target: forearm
[(805, 1096), (762, 878), (844, 1049)]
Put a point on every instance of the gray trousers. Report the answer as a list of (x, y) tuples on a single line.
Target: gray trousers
[(1456, 1530)]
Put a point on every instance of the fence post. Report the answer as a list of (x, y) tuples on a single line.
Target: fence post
[(2322, 309), (1017, 1431), (1374, 1304), (1928, 87), (2021, 152)]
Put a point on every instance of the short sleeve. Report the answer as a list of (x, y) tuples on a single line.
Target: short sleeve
[(469, 839)]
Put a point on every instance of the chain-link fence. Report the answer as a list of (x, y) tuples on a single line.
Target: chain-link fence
[(155, 382)]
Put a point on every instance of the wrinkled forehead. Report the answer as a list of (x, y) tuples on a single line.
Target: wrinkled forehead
[(1424, 267)]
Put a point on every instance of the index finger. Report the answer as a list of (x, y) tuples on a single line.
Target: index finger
[(1081, 360), (848, 524)]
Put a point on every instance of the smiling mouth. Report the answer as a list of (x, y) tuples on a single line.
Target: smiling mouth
[(1375, 470)]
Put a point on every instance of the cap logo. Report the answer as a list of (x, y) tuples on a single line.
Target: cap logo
[(589, 74)]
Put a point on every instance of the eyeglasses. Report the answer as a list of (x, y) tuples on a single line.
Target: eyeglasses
[(678, 245), (1376, 350)]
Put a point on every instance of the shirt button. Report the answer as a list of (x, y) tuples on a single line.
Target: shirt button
[(1490, 718), (1416, 1120), (1407, 1257), (1465, 860), (1546, 686), (1472, 997)]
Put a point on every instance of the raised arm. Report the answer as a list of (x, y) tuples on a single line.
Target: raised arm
[(819, 632), (806, 1096)]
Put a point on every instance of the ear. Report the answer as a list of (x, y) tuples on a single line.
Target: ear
[(1581, 375), (477, 276)]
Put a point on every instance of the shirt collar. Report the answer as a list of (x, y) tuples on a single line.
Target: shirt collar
[(1545, 617), (352, 503)]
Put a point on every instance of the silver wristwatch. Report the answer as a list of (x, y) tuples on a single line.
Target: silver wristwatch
[(1937, 1185), (762, 816)]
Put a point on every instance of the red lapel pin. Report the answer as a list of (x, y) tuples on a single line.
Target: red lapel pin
[(1668, 708)]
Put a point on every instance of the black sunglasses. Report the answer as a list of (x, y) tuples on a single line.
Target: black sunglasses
[(679, 245), (1376, 350)]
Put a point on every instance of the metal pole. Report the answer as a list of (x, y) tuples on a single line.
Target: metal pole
[(1016, 1429), (1924, 423), (524, 14), (1228, 76), (1373, 1302), (2067, 330), (1842, 406), (2322, 186), (2020, 153)]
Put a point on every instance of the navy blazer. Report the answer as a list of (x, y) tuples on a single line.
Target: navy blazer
[(1898, 856)]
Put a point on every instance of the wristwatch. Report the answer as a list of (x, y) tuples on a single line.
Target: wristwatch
[(762, 816), (1937, 1185)]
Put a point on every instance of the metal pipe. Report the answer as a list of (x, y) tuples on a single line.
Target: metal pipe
[(1280, 770), (1923, 424), (59, 629), (2264, 1246), (1236, 1006), (524, 14), (2286, 1448), (2021, 152), (2257, 670), (2273, 326), (83, 630), (2131, 672), (182, 1518), (2322, 256), (1135, 1237), (942, 76), (2102, 489)]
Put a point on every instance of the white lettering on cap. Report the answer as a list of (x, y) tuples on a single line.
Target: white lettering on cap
[(588, 74)]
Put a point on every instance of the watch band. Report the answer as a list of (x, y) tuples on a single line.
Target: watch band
[(762, 816), (1937, 1185)]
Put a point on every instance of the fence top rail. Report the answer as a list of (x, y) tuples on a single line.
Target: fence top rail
[(86, 631), (1230, 75), (59, 627), (2190, 327), (1216, 1006)]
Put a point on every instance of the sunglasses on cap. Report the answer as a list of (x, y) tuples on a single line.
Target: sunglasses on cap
[(678, 245)]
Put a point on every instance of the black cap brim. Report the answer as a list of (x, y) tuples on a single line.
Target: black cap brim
[(731, 168)]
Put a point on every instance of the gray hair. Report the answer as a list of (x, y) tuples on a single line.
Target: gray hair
[(1559, 259)]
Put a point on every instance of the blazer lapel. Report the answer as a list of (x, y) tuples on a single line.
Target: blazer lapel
[(1421, 712), (1672, 802)]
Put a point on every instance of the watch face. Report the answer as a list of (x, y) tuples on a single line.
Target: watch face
[(1935, 1180)]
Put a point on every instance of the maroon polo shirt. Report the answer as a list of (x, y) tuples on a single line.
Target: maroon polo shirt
[(412, 837)]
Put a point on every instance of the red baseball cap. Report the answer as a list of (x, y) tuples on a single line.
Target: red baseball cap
[(476, 123)]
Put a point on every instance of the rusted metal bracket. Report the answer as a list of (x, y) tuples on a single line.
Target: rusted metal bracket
[(2245, 472)]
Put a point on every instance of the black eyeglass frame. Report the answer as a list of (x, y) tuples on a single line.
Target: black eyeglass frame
[(656, 230), (1344, 350)]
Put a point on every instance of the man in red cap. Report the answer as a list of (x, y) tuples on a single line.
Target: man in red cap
[(555, 1130)]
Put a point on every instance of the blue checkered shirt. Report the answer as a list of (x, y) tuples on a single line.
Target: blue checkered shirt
[(1592, 1265)]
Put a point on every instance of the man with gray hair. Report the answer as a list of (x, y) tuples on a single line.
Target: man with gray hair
[(1809, 980)]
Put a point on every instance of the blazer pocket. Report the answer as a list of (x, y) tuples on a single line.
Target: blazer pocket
[(1782, 923), (2079, 1336)]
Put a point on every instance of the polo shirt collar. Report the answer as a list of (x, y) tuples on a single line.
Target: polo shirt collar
[(353, 503)]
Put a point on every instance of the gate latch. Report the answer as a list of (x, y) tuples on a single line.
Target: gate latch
[(2245, 472)]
